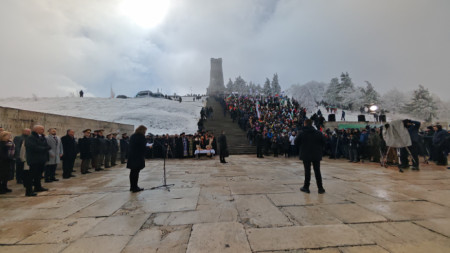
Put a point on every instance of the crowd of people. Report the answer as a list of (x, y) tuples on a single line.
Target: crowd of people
[(181, 146), (272, 124), (34, 156)]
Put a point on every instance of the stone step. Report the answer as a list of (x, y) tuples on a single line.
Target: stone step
[(236, 137)]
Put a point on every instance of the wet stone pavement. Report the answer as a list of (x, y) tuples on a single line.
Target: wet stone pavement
[(247, 205)]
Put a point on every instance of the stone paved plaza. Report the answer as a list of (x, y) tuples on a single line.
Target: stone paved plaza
[(247, 205)]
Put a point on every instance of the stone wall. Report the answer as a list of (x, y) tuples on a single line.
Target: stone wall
[(14, 120)]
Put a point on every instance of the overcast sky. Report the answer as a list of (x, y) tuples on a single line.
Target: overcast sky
[(54, 47)]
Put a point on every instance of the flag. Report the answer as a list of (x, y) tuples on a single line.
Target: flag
[(257, 109)]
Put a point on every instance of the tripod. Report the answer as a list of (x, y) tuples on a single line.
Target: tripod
[(164, 185)]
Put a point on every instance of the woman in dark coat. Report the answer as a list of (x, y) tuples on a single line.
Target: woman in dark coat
[(136, 156), (6, 147)]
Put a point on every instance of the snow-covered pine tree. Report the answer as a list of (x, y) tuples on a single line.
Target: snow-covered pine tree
[(308, 95), (276, 88), (370, 94), (393, 101), (259, 89), (267, 90), (230, 86), (351, 98), (332, 92), (422, 105), (240, 85), (345, 88), (251, 88)]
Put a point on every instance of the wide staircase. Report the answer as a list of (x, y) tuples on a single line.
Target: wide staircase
[(236, 137)]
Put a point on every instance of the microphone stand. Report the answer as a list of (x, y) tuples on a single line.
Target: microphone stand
[(165, 185)]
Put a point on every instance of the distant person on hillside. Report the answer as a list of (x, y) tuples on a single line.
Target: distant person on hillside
[(311, 143), (81, 93), (343, 116), (375, 117)]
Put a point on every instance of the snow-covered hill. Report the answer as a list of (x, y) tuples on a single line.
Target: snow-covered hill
[(159, 115)]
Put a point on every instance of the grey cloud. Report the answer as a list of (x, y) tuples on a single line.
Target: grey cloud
[(52, 47)]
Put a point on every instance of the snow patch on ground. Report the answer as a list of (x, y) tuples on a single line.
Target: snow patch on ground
[(159, 115)]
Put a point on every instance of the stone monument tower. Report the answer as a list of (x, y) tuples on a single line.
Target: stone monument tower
[(216, 83)]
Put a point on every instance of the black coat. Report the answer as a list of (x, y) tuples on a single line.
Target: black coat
[(178, 147), (5, 161), (311, 143), (124, 145), (259, 140), (286, 144), (37, 149), (84, 144), (70, 149), (136, 152), (223, 147), (18, 140), (108, 146), (114, 146), (102, 145), (95, 146)]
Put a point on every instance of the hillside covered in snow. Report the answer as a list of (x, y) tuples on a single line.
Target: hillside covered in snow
[(159, 115)]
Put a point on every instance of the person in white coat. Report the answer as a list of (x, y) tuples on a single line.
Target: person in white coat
[(55, 154)]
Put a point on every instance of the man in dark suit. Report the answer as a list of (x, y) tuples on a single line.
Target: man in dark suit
[(259, 144), (223, 147), (124, 148), (70, 151), (101, 147), (95, 151), (311, 143), (114, 149), (84, 145), (108, 151), (36, 156)]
